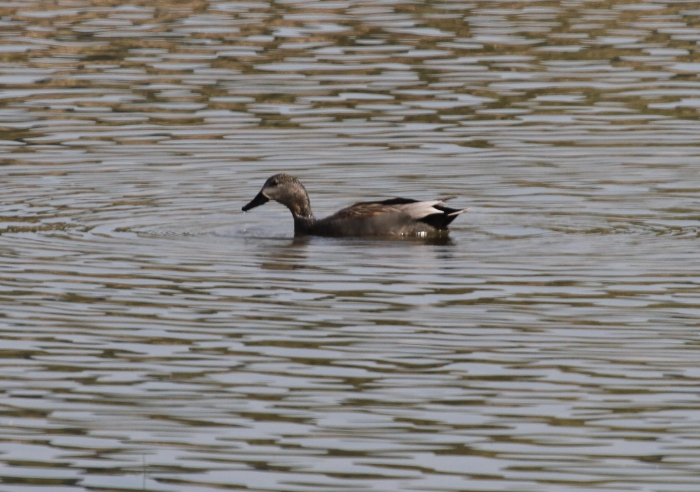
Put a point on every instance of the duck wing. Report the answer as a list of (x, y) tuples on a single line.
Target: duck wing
[(366, 210), (433, 212)]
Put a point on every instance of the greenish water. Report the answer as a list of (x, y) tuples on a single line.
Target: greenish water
[(152, 337)]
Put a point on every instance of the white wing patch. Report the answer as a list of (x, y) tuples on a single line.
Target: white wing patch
[(419, 210), (458, 212)]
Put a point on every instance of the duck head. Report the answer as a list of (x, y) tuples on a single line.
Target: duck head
[(284, 189)]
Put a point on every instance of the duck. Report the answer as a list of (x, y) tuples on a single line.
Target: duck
[(395, 217)]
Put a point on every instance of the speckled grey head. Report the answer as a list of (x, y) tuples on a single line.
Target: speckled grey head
[(286, 190)]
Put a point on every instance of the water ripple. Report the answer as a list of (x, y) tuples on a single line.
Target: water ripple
[(155, 337)]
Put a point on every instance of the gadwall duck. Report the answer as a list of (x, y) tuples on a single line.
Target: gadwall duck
[(394, 217)]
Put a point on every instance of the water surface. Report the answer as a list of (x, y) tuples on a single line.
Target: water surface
[(153, 337)]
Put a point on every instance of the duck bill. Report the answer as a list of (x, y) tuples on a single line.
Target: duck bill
[(260, 199)]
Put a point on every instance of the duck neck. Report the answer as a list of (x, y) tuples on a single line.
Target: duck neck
[(297, 201), (302, 224)]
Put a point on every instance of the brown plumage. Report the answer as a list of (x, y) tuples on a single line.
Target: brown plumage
[(393, 217)]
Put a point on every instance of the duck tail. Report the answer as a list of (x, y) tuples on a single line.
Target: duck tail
[(457, 212)]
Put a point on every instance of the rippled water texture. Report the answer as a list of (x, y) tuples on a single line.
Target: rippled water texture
[(153, 337)]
